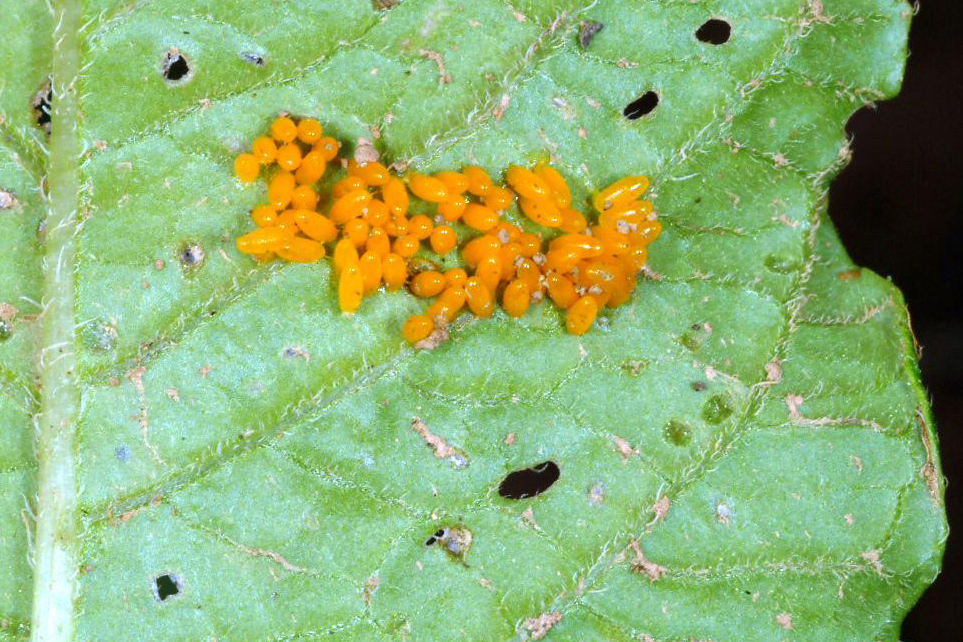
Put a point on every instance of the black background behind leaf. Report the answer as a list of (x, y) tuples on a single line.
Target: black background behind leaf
[(899, 210)]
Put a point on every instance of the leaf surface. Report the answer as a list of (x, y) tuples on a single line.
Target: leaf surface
[(746, 451)]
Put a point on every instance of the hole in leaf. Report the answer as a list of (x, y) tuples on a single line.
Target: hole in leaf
[(529, 482), (175, 67), (439, 535), (5, 330), (167, 585), (714, 31), (42, 105), (641, 106), (191, 256), (455, 540), (253, 58)]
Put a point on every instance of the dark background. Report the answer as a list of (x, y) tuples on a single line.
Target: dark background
[(899, 210)]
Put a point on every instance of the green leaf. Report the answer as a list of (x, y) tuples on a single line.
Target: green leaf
[(746, 451)]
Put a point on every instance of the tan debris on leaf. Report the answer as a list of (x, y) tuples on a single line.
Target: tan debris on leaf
[(8, 312), (528, 518), (438, 444), (538, 627), (661, 508), (370, 586), (136, 376), (437, 337), (774, 371), (502, 106), (785, 621), (793, 402), (625, 449), (271, 555), (444, 77), (640, 564), (928, 471), (873, 558), (7, 199), (365, 152)]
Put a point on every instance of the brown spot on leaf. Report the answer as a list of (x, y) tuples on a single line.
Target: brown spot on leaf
[(846, 275)]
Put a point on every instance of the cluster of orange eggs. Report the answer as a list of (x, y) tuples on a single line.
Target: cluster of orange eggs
[(581, 268)]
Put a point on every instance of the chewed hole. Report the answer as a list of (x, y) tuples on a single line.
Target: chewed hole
[(167, 585), (175, 66), (714, 31), (253, 58), (440, 534), (42, 105), (191, 256), (641, 106), (529, 482)]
